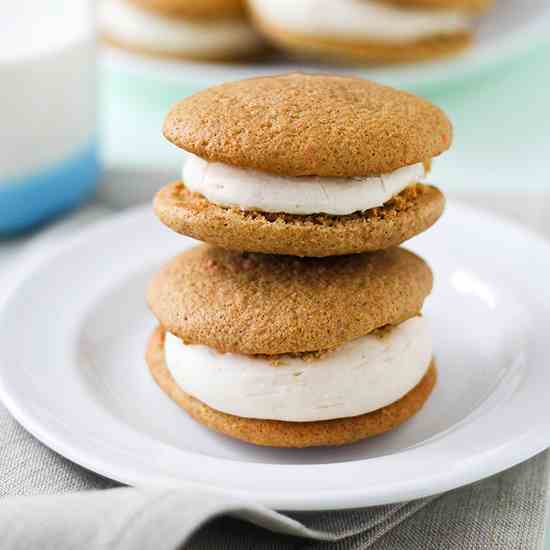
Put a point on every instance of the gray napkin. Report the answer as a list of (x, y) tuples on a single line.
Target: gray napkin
[(506, 511)]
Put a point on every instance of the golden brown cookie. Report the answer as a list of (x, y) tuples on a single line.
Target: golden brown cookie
[(262, 304), (412, 211), (473, 6), (276, 433), (364, 51), (300, 124), (195, 9), (221, 56)]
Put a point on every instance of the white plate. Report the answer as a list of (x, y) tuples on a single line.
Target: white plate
[(73, 334), (511, 29)]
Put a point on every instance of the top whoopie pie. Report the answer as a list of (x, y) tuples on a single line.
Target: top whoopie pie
[(306, 165)]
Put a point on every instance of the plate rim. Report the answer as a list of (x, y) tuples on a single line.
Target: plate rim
[(533, 442)]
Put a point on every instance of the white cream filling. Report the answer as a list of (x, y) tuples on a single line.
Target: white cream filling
[(359, 19), (144, 29), (227, 185), (358, 377)]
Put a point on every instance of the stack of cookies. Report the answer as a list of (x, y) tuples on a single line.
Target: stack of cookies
[(299, 323), (209, 30)]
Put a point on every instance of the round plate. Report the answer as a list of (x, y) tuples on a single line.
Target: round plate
[(510, 29), (72, 340)]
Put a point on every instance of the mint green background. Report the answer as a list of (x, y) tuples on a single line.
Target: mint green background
[(501, 120)]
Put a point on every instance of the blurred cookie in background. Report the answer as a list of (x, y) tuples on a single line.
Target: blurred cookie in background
[(191, 9), (211, 30), (369, 31)]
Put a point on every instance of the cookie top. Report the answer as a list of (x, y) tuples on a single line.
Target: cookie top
[(300, 124), (259, 304), (204, 9), (461, 5)]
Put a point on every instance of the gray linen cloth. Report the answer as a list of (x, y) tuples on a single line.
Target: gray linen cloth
[(506, 511), (51, 503)]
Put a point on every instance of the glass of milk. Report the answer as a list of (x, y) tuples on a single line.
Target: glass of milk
[(48, 128)]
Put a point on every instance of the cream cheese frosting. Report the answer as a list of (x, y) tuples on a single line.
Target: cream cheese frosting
[(129, 24), (359, 19), (359, 377), (227, 185)]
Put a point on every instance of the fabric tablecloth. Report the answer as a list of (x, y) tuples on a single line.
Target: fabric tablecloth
[(506, 511)]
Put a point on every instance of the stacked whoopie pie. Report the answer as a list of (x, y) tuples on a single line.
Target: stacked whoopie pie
[(299, 323), (208, 30), (366, 31)]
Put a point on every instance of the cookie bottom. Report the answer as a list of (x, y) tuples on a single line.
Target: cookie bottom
[(228, 56), (276, 433), (473, 7), (366, 51), (411, 212)]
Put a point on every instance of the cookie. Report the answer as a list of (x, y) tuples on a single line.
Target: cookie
[(206, 56), (299, 125), (139, 27), (191, 9), (472, 6), (371, 31), (289, 434), (261, 304), (411, 212), (366, 51)]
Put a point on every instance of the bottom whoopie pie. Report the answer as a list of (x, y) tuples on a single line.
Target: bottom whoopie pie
[(293, 352)]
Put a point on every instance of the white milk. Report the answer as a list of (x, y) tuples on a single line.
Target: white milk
[(47, 84)]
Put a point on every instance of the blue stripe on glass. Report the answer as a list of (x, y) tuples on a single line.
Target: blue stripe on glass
[(28, 201)]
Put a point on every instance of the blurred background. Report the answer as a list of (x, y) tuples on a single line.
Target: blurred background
[(86, 85)]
